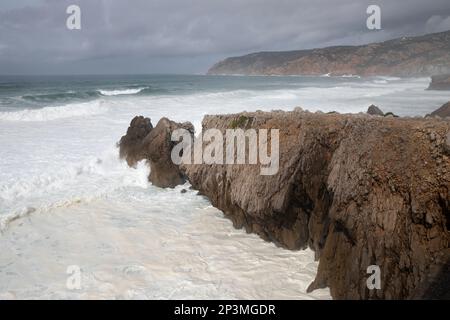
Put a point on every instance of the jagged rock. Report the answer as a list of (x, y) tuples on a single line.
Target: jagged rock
[(440, 82), (374, 111), (443, 111), (447, 144), (155, 145), (359, 191), (130, 144), (158, 144)]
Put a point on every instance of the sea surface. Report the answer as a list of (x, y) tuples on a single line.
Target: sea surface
[(68, 203)]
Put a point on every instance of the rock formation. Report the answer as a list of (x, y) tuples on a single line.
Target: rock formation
[(443, 111), (440, 82), (373, 110), (358, 190), (142, 141), (408, 56), (130, 145)]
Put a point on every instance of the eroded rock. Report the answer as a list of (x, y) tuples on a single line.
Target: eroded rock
[(375, 111), (131, 148), (443, 111), (142, 142), (358, 190)]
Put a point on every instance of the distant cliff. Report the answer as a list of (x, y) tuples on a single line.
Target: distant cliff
[(408, 56)]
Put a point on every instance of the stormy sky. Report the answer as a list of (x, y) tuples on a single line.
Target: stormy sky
[(188, 36)]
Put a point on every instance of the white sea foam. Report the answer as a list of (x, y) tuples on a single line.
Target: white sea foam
[(58, 112), (70, 184), (121, 91)]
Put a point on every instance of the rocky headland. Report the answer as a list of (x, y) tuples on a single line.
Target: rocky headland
[(359, 190), (405, 57)]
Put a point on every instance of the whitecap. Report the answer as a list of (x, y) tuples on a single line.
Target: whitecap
[(58, 112)]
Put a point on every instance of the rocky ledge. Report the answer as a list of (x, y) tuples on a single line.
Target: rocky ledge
[(359, 190)]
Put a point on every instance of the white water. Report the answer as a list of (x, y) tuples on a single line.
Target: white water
[(121, 92), (66, 199), (54, 113)]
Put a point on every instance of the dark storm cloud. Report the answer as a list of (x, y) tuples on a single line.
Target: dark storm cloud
[(141, 36)]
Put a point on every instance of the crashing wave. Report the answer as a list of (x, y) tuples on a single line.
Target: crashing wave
[(58, 112), (122, 91)]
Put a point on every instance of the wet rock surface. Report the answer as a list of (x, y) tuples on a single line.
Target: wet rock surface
[(142, 142)]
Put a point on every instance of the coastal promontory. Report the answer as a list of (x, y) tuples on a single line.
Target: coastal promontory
[(425, 55)]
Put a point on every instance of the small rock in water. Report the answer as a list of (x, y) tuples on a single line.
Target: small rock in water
[(183, 191)]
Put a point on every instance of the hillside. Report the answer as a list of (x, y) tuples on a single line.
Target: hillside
[(408, 56)]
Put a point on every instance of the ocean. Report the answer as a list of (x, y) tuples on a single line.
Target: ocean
[(67, 200)]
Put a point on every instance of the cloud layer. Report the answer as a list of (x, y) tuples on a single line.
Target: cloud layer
[(180, 36)]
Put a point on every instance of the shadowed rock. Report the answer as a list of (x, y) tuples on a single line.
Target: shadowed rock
[(130, 145), (443, 111), (374, 111), (155, 145), (158, 144)]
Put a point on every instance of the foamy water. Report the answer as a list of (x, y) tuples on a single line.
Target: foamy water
[(66, 199)]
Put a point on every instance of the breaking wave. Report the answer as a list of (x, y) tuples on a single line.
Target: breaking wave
[(58, 112), (71, 184), (122, 91)]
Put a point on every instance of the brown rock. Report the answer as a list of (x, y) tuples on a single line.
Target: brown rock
[(158, 147), (443, 111), (447, 144), (130, 144), (358, 190), (155, 145)]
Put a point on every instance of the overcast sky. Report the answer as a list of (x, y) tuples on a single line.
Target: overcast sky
[(187, 36)]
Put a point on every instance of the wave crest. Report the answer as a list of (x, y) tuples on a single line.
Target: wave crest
[(57, 112), (122, 91)]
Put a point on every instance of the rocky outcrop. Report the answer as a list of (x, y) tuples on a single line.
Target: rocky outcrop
[(443, 111), (130, 145), (143, 142), (373, 110), (359, 190), (408, 56), (440, 82)]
